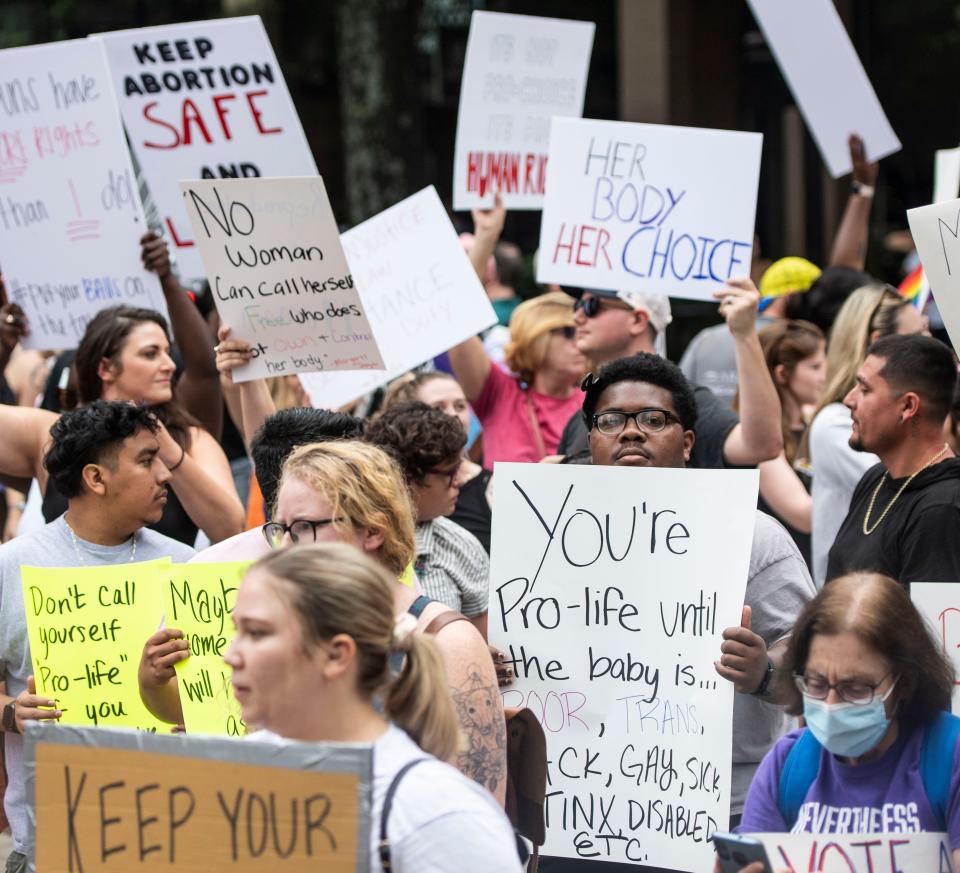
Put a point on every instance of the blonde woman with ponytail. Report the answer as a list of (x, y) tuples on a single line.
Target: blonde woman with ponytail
[(311, 660)]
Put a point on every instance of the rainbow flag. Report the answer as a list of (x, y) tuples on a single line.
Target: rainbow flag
[(911, 286)]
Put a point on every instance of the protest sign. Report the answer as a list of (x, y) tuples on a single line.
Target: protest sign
[(198, 600), (518, 72), (419, 291), (70, 213), (278, 275), (609, 590), (106, 800), (204, 100), (822, 70), (87, 627), (936, 234), (946, 175), (859, 853), (939, 604), (668, 208)]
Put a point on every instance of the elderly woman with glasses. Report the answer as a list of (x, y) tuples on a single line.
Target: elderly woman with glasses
[(879, 753)]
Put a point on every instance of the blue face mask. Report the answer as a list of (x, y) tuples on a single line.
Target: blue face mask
[(847, 729)]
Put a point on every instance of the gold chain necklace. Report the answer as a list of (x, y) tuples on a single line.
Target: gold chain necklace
[(867, 530)]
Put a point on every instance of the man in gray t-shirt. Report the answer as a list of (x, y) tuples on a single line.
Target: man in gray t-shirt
[(105, 459)]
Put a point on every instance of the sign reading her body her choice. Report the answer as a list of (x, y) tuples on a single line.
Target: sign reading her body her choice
[(70, 214), (920, 852), (106, 800), (608, 599), (936, 234), (519, 71), (204, 100), (939, 604), (278, 275), (827, 80), (419, 291), (671, 208)]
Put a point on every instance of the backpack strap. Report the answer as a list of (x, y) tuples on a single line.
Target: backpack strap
[(383, 847), (799, 770), (419, 605), (441, 621), (937, 753)]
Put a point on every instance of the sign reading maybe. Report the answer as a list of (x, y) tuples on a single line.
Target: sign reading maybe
[(519, 71), (936, 234), (939, 604), (70, 214), (204, 100), (609, 591), (668, 208), (279, 277), (105, 800), (859, 853), (419, 291)]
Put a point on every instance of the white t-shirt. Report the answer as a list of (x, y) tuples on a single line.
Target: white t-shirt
[(440, 821)]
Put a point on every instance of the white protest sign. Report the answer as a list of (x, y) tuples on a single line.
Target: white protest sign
[(204, 100), (70, 214), (936, 234), (946, 174), (668, 208), (278, 275), (827, 80), (939, 604), (519, 71), (859, 853), (609, 590), (419, 291)]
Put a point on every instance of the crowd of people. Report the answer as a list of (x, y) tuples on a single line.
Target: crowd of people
[(364, 616)]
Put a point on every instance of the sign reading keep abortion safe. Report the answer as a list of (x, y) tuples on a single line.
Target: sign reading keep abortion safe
[(609, 591), (668, 208)]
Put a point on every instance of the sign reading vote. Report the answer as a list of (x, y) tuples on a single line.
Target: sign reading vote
[(519, 71), (419, 291), (609, 591), (936, 234), (939, 604), (204, 100), (70, 214), (87, 627), (859, 853), (107, 800), (279, 276), (670, 209)]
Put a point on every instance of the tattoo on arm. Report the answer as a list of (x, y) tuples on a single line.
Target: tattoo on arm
[(481, 717)]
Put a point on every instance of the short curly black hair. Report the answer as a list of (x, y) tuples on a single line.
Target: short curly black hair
[(92, 434), (642, 367), (418, 436)]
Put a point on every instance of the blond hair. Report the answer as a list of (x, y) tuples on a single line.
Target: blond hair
[(364, 484), (530, 327), (335, 589)]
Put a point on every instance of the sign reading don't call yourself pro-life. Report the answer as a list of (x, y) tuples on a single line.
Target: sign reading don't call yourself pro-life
[(278, 275), (670, 209), (609, 591)]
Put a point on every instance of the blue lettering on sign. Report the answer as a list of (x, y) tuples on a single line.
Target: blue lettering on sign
[(101, 288), (659, 252)]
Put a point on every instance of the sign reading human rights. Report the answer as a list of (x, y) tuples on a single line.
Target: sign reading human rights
[(279, 277), (70, 213), (519, 71), (670, 209), (608, 599), (204, 100)]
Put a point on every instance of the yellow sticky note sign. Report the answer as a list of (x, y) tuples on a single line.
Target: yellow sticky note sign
[(87, 627), (198, 600)]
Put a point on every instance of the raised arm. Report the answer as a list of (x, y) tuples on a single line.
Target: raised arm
[(249, 403), (783, 491), (850, 243), (26, 432), (199, 388)]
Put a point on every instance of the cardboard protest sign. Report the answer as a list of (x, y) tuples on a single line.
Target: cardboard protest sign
[(822, 70), (87, 627), (204, 100), (936, 234), (668, 208), (519, 71), (419, 291), (939, 604), (70, 213), (609, 590), (859, 853), (198, 599), (106, 800), (279, 276)]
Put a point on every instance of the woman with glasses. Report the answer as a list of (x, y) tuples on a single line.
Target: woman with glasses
[(879, 753)]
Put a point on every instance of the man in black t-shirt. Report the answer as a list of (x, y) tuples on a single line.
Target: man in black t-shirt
[(904, 516)]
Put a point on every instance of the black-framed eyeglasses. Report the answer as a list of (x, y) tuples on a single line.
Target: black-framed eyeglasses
[(450, 474), (652, 420), (302, 529), (856, 691), (568, 333), (591, 306)]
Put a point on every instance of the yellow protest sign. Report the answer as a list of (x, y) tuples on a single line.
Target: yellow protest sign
[(87, 627), (198, 599)]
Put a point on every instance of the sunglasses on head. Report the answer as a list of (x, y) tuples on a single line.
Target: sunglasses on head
[(591, 306)]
